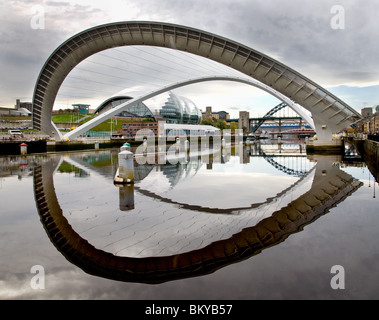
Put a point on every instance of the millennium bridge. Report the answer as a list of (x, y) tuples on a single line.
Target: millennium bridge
[(326, 112)]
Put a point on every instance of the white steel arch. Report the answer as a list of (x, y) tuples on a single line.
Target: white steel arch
[(329, 113), (124, 106)]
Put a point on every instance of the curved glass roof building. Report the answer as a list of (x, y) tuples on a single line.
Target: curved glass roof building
[(180, 110), (140, 110), (176, 109)]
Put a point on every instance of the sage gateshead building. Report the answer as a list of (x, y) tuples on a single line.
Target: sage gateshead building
[(180, 110), (176, 109), (180, 114)]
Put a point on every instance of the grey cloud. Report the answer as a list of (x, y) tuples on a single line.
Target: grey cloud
[(296, 33), (24, 50)]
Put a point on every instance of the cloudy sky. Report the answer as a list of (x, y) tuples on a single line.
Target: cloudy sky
[(333, 42)]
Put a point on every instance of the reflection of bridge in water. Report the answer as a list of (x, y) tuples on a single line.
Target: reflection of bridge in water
[(330, 186), (288, 158), (146, 177)]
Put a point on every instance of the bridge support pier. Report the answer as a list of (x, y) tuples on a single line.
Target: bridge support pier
[(325, 147), (325, 142)]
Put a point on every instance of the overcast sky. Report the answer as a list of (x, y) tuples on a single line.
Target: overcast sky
[(336, 48)]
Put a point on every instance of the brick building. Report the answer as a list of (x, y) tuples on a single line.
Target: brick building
[(129, 129)]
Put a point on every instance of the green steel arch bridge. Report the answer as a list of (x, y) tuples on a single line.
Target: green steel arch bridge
[(258, 122)]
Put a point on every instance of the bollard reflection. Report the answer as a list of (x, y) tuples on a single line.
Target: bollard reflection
[(126, 194)]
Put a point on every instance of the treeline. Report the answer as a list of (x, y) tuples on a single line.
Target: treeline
[(221, 124)]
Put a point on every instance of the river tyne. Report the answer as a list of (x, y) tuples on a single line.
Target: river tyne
[(259, 222)]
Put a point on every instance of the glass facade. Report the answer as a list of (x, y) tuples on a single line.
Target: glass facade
[(175, 110), (172, 111), (140, 110), (180, 110)]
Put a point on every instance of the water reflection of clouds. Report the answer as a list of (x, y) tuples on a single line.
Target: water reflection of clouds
[(226, 185), (361, 173), (232, 190)]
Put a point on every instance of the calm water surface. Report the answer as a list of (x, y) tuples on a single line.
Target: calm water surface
[(259, 223)]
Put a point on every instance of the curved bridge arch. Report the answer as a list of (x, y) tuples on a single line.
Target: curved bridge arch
[(270, 113), (130, 103), (329, 113)]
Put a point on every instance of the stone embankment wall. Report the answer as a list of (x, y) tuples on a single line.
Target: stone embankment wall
[(371, 156), (369, 150)]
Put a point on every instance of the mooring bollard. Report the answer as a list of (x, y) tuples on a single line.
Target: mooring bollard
[(125, 172), (23, 148), (125, 147), (177, 144), (96, 145)]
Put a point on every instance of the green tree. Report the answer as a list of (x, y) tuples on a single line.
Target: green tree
[(233, 126), (221, 124), (207, 123)]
